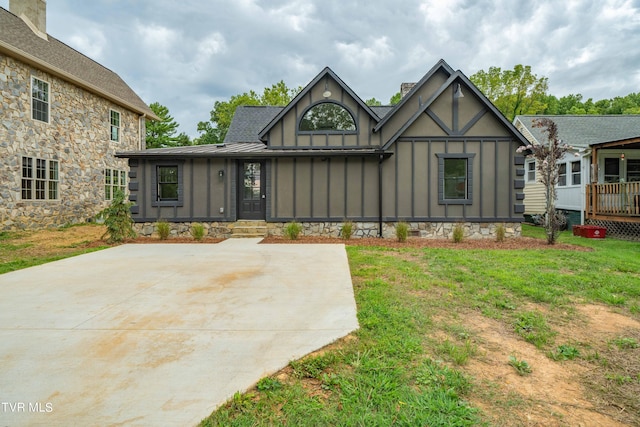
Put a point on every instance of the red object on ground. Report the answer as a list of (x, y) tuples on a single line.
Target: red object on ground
[(577, 230), (593, 232)]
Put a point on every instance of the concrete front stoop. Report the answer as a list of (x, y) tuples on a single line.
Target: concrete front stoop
[(248, 228)]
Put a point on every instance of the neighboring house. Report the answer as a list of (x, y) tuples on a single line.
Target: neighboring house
[(63, 116), (599, 179), (443, 155)]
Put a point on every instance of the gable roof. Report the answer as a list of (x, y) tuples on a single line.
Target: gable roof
[(19, 41), (457, 76), (326, 72), (582, 131)]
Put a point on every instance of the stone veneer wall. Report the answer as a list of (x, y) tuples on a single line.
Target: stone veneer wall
[(77, 136), (428, 230)]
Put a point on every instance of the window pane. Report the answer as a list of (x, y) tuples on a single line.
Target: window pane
[(167, 183), (327, 117), (40, 187), (611, 170), (40, 100), (41, 169), (562, 174), (168, 192), (633, 170), (455, 178), (107, 176), (575, 173), (115, 177), (53, 170), (26, 189), (53, 190), (27, 167), (115, 125)]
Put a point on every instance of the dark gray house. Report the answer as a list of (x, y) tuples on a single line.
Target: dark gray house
[(443, 155)]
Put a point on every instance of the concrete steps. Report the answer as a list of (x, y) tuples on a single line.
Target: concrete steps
[(248, 228)]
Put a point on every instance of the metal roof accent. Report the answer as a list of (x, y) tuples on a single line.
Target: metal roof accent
[(582, 131), (17, 40)]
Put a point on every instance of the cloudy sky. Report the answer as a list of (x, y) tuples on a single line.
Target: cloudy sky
[(187, 54)]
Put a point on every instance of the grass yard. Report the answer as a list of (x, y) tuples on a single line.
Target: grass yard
[(471, 337)]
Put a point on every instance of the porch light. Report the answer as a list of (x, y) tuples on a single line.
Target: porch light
[(221, 174), (458, 92), (622, 157)]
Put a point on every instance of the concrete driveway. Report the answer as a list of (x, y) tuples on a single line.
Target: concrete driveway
[(162, 334)]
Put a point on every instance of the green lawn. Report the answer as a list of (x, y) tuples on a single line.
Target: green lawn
[(398, 370)]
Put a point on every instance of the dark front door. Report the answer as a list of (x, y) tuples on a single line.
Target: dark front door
[(251, 194)]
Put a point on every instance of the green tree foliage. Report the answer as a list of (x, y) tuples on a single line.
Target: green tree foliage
[(117, 219), (395, 98), (215, 130), (373, 102), (162, 133), (513, 92)]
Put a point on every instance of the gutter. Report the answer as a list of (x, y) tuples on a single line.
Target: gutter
[(380, 160)]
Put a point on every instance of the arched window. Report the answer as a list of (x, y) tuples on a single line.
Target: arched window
[(327, 116)]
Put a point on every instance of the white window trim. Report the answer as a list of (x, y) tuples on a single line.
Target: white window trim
[(119, 127), (122, 174), (33, 179), (48, 100), (572, 173), (527, 171)]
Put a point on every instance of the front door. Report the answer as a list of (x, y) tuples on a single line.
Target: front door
[(251, 190)]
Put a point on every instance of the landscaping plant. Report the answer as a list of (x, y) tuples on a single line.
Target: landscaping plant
[(293, 230), (547, 157), (117, 219), (500, 233), (458, 233), (164, 229), (402, 231), (347, 230), (197, 231)]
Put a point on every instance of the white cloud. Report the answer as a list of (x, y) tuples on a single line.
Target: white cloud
[(365, 56), (212, 44), (91, 42), (157, 36), (296, 15)]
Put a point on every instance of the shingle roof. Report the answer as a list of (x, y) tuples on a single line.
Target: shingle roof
[(382, 110), (584, 130), (18, 40), (248, 121)]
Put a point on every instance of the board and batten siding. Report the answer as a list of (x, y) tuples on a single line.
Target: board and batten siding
[(204, 192)]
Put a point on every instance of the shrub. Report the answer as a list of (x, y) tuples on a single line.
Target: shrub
[(292, 230), (164, 229), (402, 231), (197, 231), (458, 233), (347, 230), (117, 219), (500, 232)]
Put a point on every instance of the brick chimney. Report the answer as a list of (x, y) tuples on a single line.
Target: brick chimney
[(33, 12), (405, 88)]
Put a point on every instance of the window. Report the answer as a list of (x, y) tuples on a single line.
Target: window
[(39, 179), (633, 170), (114, 180), (611, 170), (327, 117), (562, 175), (167, 183), (39, 100), (531, 171), (575, 173), (115, 125), (455, 178)]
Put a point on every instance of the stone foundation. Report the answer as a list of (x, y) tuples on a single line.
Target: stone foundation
[(427, 230)]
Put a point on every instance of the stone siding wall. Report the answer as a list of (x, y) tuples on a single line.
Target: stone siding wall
[(77, 136), (427, 230)]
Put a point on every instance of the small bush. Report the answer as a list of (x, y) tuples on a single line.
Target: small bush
[(521, 366), (500, 233), (197, 231), (164, 229), (292, 230), (268, 384), (458, 233), (402, 231), (347, 230), (565, 352), (117, 219)]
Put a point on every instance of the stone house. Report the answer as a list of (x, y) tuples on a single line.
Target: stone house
[(443, 155), (63, 117)]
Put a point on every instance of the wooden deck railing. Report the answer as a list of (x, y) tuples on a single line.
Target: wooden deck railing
[(618, 199)]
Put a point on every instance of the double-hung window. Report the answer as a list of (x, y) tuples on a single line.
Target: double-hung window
[(39, 100), (455, 178), (531, 171), (562, 175), (114, 180), (114, 118), (575, 173), (40, 179)]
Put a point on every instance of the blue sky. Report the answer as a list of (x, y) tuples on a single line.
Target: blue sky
[(188, 54)]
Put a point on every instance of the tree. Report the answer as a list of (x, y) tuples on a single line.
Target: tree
[(215, 129), (395, 98), (513, 92), (373, 102), (161, 133), (547, 157)]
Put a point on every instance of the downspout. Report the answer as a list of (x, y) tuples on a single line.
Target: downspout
[(380, 159)]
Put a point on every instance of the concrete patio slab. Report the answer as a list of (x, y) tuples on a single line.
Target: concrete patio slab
[(162, 334)]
